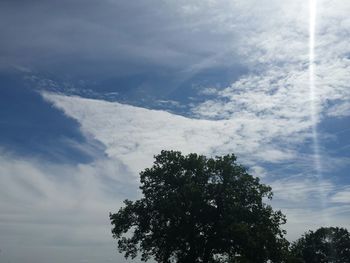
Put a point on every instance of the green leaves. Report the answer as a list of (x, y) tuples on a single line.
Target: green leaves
[(198, 209)]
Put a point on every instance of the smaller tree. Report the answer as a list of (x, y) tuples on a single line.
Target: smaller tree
[(198, 209), (327, 244)]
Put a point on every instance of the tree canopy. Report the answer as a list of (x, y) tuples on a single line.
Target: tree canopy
[(327, 244), (199, 209)]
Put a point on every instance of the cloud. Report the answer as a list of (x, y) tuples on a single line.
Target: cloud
[(120, 37), (302, 190), (182, 38), (339, 110), (60, 208), (134, 134), (276, 95), (342, 196)]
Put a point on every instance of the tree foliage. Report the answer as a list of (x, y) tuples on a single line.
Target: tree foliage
[(327, 244), (198, 209)]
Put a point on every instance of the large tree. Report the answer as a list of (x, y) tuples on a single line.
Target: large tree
[(198, 209), (326, 244)]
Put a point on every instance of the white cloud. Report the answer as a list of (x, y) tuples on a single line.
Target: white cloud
[(135, 134), (278, 51), (343, 196), (60, 209), (302, 190)]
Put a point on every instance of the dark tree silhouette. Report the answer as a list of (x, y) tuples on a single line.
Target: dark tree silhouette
[(198, 209), (327, 244)]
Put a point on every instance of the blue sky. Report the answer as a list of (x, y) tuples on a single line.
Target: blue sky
[(91, 90)]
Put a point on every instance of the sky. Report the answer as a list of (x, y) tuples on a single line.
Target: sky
[(91, 90)]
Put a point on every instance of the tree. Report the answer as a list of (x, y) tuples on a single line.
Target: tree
[(198, 209), (327, 244)]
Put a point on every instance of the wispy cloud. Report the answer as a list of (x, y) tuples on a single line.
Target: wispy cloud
[(342, 196), (51, 207)]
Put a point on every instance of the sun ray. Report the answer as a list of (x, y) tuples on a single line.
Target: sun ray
[(314, 113), (314, 110)]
